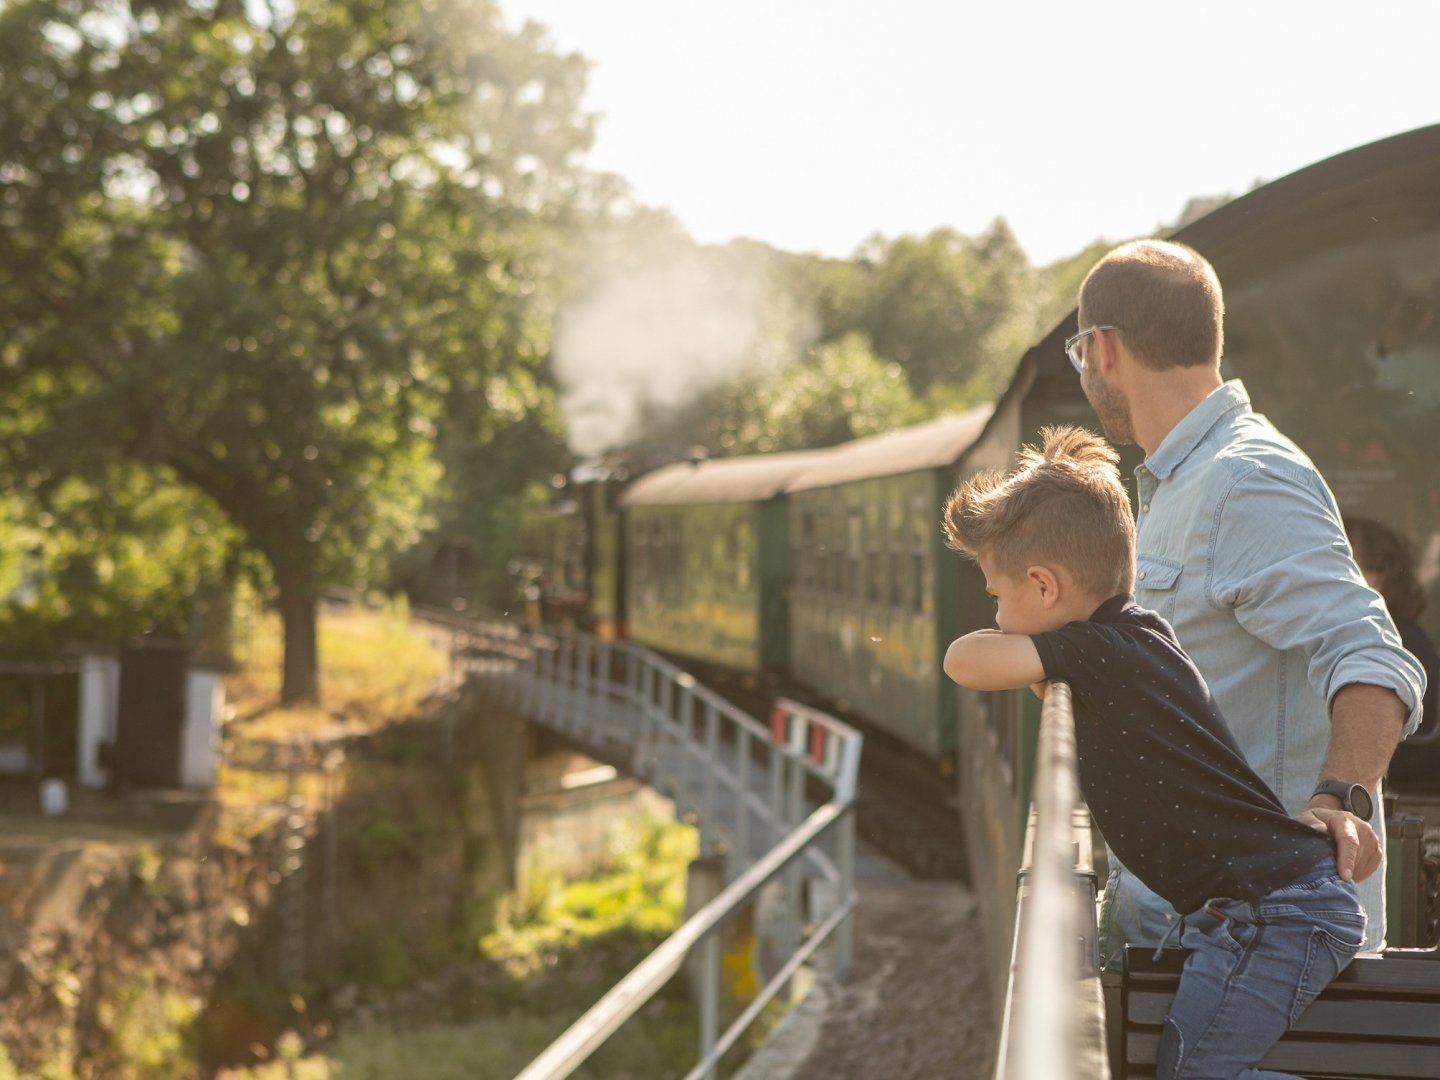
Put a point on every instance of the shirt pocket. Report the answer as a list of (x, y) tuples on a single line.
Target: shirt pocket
[(1157, 583)]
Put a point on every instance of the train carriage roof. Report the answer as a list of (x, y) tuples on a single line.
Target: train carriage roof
[(932, 445), (738, 479), (1373, 193)]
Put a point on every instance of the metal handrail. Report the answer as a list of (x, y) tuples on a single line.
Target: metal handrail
[(715, 762), (1054, 1023), (569, 1051)]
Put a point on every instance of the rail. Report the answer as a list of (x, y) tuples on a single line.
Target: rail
[(748, 785), (1054, 1023)]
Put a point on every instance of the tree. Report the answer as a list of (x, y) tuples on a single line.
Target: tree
[(837, 392), (950, 310), (263, 246)]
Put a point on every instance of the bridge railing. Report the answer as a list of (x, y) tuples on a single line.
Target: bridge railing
[(1054, 1021), (752, 789)]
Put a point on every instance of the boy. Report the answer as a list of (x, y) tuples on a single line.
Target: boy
[(1269, 923)]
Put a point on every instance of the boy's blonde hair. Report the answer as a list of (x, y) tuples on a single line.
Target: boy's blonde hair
[(1063, 503)]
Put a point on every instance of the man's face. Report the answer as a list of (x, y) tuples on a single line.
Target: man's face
[(1107, 400)]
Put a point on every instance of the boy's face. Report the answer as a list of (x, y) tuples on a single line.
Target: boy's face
[(1020, 606)]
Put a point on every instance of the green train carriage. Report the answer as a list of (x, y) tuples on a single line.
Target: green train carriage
[(875, 596), (706, 555)]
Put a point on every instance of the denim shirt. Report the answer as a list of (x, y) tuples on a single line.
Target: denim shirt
[(1241, 547)]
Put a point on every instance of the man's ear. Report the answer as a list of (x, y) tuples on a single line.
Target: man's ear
[(1107, 351), (1045, 580)]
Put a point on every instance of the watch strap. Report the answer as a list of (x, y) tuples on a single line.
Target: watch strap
[(1342, 791)]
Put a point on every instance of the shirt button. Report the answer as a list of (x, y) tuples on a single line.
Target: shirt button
[(1142, 575), (1145, 508)]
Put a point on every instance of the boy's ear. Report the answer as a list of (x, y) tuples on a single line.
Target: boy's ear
[(1045, 580)]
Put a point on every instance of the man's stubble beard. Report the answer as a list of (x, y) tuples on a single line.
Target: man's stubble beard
[(1112, 409)]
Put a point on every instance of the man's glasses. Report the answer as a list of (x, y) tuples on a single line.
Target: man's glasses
[(1072, 346)]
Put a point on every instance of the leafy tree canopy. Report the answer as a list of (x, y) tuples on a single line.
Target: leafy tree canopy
[(274, 250)]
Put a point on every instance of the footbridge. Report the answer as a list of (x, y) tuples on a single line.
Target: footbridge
[(774, 803)]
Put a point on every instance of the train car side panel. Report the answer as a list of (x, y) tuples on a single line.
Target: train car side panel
[(694, 582), (862, 609), (774, 562)]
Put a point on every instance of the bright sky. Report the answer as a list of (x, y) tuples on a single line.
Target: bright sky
[(811, 124)]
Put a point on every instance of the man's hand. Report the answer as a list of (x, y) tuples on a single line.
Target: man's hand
[(1357, 848)]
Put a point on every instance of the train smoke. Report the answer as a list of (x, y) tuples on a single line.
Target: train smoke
[(659, 327)]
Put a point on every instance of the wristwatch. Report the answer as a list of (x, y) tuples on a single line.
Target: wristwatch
[(1353, 797)]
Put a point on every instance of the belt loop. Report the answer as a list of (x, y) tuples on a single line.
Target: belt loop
[(1172, 932)]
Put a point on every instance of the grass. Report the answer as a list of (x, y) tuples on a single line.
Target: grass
[(495, 1048), (375, 667)]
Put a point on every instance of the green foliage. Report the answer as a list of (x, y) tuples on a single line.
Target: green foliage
[(145, 866), (274, 250), (378, 666), (378, 957), (565, 945), (385, 839), (108, 560), (147, 1031), (949, 309), (642, 894), (658, 1044)]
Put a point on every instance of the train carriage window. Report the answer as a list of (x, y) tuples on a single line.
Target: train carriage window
[(854, 547), (899, 577), (808, 552), (741, 552), (835, 576), (876, 584), (919, 557), (673, 563)]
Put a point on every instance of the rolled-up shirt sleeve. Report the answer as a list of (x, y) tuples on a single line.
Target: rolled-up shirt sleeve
[(1279, 559)]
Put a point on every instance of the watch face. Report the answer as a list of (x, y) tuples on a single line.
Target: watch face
[(1361, 804)]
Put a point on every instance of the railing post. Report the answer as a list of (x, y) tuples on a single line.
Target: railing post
[(710, 809), (584, 688), (794, 814), (645, 717), (684, 756), (777, 790), (709, 996), (742, 793), (845, 865), (563, 713), (600, 695), (663, 778), (545, 688)]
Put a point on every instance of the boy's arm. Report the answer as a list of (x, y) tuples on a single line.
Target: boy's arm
[(991, 660)]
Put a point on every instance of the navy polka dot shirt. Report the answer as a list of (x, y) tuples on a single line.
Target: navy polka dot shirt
[(1163, 776)]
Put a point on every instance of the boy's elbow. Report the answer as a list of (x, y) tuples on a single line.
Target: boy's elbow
[(959, 663)]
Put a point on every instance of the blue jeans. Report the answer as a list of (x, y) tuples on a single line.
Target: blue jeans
[(1253, 968)]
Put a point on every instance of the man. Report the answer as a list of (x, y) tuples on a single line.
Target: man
[(1241, 547)]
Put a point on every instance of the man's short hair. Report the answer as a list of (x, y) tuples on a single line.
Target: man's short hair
[(1164, 297), (1063, 503)]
